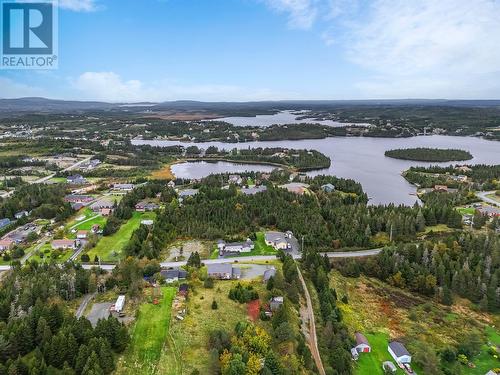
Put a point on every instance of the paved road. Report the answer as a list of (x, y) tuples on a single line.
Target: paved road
[(256, 258), (28, 255), (77, 164), (313, 340), (81, 309), (483, 196)]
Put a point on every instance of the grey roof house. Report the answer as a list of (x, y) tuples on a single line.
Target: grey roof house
[(223, 271), (398, 351)]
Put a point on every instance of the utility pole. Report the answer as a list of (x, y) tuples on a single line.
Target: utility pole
[(302, 246)]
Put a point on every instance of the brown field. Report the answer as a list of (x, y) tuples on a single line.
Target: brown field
[(165, 173)]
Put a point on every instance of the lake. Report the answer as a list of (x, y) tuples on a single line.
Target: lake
[(200, 169), (280, 118), (362, 159)]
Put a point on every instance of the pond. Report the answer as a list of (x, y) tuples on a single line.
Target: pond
[(363, 159), (200, 169)]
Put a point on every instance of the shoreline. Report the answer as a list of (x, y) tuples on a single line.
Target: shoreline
[(166, 170)]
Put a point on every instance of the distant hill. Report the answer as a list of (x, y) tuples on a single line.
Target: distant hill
[(43, 105)]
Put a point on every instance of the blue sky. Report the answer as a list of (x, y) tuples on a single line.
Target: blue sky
[(133, 50)]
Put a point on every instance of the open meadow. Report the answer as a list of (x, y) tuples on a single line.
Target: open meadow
[(383, 313), (148, 335)]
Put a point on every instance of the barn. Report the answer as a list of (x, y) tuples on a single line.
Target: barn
[(362, 345)]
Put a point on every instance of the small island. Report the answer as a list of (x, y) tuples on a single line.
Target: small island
[(429, 154)]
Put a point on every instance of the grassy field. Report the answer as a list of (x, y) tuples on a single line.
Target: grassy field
[(46, 254), (187, 349), (440, 228), (466, 210), (382, 312), (148, 336), (109, 248), (165, 173), (371, 363)]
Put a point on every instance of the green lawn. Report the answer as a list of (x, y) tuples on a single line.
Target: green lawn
[(466, 210), (46, 254), (109, 248), (371, 363), (485, 361), (260, 248), (148, 336)]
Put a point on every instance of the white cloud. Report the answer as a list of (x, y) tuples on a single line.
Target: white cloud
[(301, 13), (407, 37), (11, 89), (429, 48), (78, 5), (109, 86)]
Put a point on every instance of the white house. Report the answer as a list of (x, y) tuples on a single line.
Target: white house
[(235, 247), (82, 234), (398, 351), (278, 240)]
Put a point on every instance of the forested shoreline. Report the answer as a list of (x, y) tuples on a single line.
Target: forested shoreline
[(429, 154)]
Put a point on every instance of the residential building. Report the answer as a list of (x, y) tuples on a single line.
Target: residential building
[(106, 211), (398, 351), (76, 179), (188, 193), (328, 188), (78, 198), (235, 179), (298, 188), (275, 303), (174, 275), (146, 206), (63, 244), (280, 240), (21, 214), (223, 271), (6, 244), (102, 203), (362, 345), (82, 234), (123, 187), (254, 190), (489, 211), (235, 247), (171, 184)]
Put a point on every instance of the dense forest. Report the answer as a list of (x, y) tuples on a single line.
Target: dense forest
[(326, 220), (334, 339), (429, 154), (39, 335), (479, 176), (463, 264), (44, 201)]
